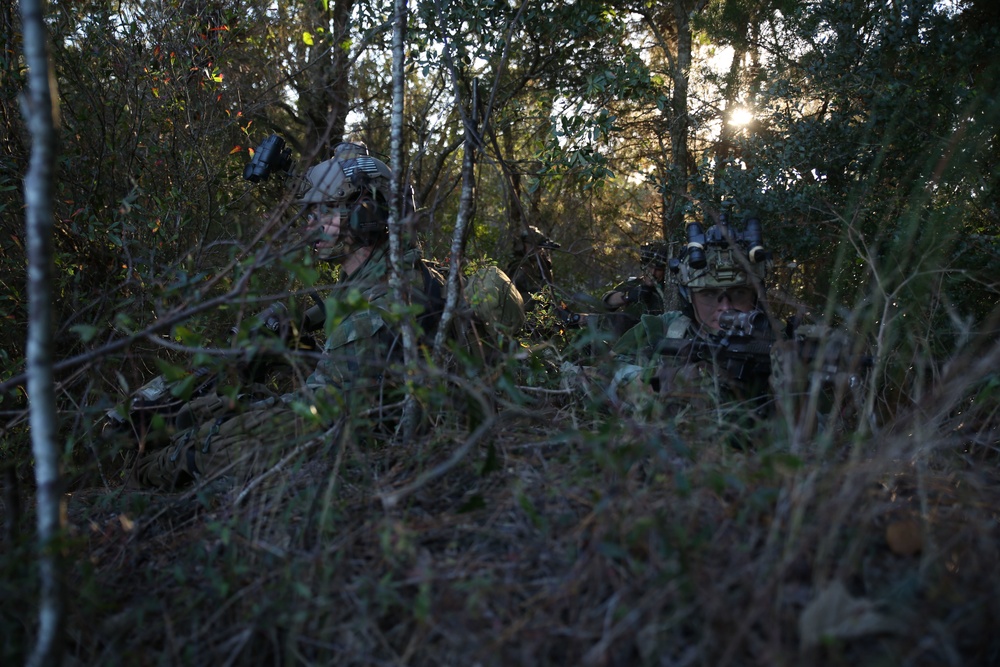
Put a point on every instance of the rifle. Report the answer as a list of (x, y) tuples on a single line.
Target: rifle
[(744, 345)]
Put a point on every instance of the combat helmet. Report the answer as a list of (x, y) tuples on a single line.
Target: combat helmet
[(359, 183), (720, 257)]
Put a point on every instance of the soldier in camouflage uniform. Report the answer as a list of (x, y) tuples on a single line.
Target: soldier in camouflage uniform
[(716, 272), (720, 276), (352, 221), (639, 295), (531, 266), (347, 210)]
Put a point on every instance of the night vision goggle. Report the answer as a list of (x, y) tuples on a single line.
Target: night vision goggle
[(720, 243)]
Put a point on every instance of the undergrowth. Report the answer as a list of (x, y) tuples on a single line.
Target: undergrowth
[(568, 534)]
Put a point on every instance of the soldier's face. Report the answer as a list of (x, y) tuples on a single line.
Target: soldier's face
[(325, 224), (710, 302)]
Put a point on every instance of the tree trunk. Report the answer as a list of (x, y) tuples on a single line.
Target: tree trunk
[(408, 424), (679, 127), (325, 103), (466, 202), (38, 102)]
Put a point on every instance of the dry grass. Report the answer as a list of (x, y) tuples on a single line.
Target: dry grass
[(560, 531), (563, 536)]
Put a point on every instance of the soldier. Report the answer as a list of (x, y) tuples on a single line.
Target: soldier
[(639, 295), (719, 360), (643, 293), (347, 209), (347, 202), (531, 266), (719, 274)]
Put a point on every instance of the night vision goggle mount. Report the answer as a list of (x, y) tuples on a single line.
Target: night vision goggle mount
[(718, 237), (270, 156)]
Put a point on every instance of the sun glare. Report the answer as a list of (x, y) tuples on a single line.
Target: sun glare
[(740, 116)]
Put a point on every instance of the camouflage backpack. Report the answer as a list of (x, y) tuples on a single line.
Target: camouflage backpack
[(495, 301)]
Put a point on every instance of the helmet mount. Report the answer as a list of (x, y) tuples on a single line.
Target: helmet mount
[(720, 256)]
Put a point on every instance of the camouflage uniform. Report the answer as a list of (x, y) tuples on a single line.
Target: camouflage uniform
[(225, 437), (496, 304), (700, 394), (741, 365), (646, 383), (360, 346), (242, 436), (620, 320), (531, 266), (650, 301), (641, 297)]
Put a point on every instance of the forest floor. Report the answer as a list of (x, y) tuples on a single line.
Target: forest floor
[(555, 539)]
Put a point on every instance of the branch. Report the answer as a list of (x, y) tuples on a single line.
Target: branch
[(391, 498)]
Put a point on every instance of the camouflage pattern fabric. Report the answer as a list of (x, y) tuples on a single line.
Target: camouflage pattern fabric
[(363, 343), (495, 300), (531, 274), (651, 302), (217, 436), (531, 265), (694, 395), (226, 440), (636, 344), (636, 364), (818, 379)]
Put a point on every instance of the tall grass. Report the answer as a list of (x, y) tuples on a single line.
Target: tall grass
[(574, 534)]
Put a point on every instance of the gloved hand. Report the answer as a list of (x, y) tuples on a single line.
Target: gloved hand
[(567, 317), (272, 320), (636, 294)]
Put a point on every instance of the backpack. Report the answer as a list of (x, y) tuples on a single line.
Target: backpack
[(495, 300)]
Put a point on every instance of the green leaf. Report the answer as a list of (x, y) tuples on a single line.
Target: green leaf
[(85, 331), (183, 388), (170, 372), (307, 38), (422, 603), (187, 337), (158, 424), (123, 383), (309, 412), (475, 502), (307, 274), (492, 462), (125, 322)]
